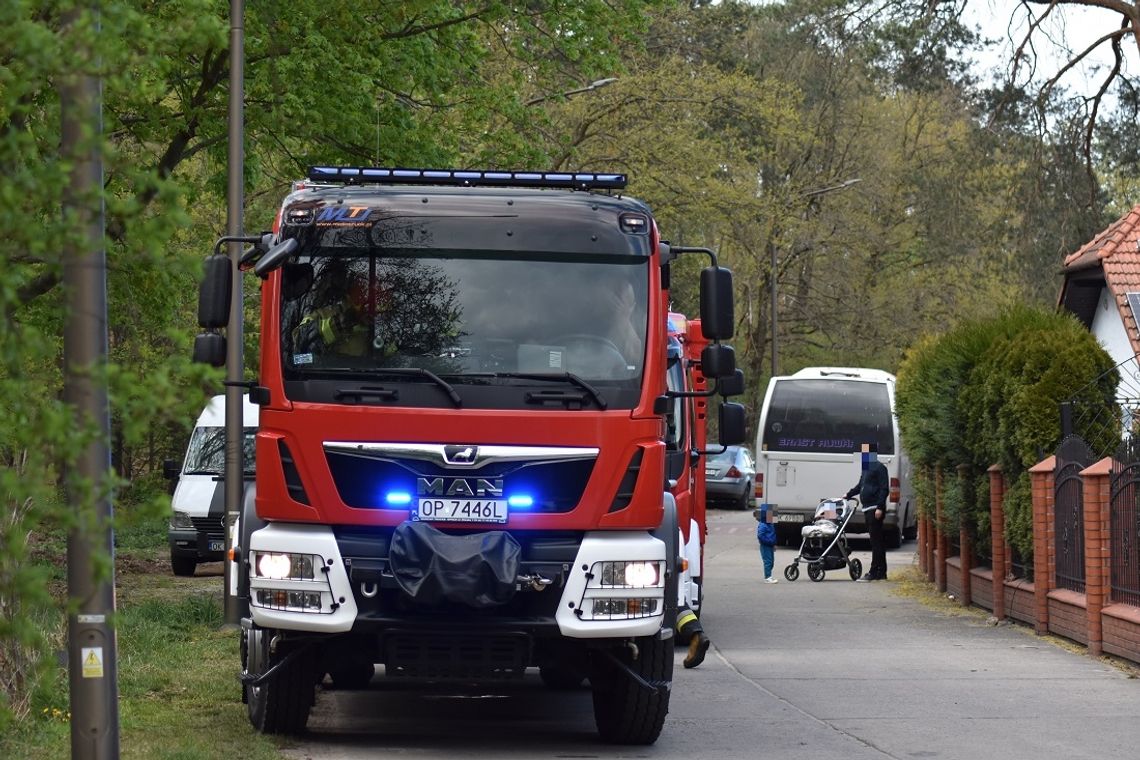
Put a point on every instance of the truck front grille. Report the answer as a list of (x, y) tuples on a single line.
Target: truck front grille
[(467, 655)]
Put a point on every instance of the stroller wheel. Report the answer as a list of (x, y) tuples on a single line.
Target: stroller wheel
[(856, 569), (792, 571), (815, 571)]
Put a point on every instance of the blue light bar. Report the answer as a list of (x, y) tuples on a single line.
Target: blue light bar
[(520, 501), (356, 175), (398, 498)]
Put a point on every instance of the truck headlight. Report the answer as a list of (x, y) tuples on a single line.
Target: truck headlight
[(181, 521), (284, 566), (623, 590), (626, 575)]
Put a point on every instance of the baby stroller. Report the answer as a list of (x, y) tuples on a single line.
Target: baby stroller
[(824, 545)]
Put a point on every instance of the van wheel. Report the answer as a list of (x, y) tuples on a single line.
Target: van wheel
[(625, 711), (183, 567)]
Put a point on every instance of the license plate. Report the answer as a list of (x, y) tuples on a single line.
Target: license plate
[(462, 510), (217, 546), (790, 518)]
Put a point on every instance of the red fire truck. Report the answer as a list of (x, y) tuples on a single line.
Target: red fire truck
[(462, 460), (686, 441)]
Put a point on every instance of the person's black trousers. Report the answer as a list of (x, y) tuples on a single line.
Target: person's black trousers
[(878, 551)]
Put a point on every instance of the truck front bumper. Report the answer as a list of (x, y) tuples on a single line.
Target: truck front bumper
[(566, 588)]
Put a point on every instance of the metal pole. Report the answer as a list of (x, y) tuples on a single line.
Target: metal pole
[(235, 367), (91, 650)]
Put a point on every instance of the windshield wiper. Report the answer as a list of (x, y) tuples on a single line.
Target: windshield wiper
[(566, 377), (201, 472), (421, 372)]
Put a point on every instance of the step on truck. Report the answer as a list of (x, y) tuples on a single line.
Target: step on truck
[(461, 451)]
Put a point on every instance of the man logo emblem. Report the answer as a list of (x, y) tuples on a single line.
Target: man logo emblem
[(460, 454)]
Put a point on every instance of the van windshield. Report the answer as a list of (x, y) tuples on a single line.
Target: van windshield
[(206, 454), (828, 416)]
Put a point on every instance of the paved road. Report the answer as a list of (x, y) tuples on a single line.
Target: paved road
[(822, 671)]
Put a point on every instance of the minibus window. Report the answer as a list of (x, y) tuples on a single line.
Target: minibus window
[(828, 416)]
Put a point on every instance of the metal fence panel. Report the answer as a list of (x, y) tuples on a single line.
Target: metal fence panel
[(1073, 455), (1124, 524)]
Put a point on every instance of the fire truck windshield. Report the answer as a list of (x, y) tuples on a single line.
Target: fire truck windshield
[(464, 314)]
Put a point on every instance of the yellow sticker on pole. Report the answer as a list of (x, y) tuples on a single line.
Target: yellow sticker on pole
[(92, 659)]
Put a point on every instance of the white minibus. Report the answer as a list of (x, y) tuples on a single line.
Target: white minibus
[(811, 427)]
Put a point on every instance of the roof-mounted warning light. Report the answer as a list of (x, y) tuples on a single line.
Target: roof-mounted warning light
[(362, 175)]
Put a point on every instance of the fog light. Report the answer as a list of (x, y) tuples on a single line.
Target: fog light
[(295, 601), (624, 608)]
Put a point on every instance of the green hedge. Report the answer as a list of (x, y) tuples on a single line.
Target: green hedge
[(989, 392)]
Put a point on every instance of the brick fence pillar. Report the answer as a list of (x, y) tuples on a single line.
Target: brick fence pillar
[(922, 544), (965, 550), (1098, 575), (1041, 486), (997, 539), (942, 545)]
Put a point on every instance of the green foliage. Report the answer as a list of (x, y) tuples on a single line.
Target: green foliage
[(1018, 508), (989, 392), (424, 82)]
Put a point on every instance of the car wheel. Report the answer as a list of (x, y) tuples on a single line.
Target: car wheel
[(745, 500), (183, 567), (892, 538)]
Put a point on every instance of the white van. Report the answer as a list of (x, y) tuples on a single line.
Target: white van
[(197, 525), (807, 446)]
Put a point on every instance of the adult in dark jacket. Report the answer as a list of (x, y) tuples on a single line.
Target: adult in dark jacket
[(873, 488)]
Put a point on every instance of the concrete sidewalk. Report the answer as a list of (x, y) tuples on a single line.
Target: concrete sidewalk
[(838, 669)]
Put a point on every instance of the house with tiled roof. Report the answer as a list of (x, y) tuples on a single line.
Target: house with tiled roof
[(1102, 289)]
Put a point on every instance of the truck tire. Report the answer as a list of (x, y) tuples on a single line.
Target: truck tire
[(625, 711), (183, 567), (281, 704)]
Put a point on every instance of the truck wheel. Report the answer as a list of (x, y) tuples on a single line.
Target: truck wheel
[(625, 711), (555, 677), (281, 704), (183, 567)]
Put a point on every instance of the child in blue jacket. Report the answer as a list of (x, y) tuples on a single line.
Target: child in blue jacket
[(766, 535)]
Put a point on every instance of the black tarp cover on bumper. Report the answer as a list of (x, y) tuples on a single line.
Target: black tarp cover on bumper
[(477, 569)]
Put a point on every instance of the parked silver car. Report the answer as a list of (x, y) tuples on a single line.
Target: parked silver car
[(730, 477)]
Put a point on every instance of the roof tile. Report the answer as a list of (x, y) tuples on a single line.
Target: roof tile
[(1117, 250)]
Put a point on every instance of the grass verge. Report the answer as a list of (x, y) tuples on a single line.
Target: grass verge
[(179, 698)]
